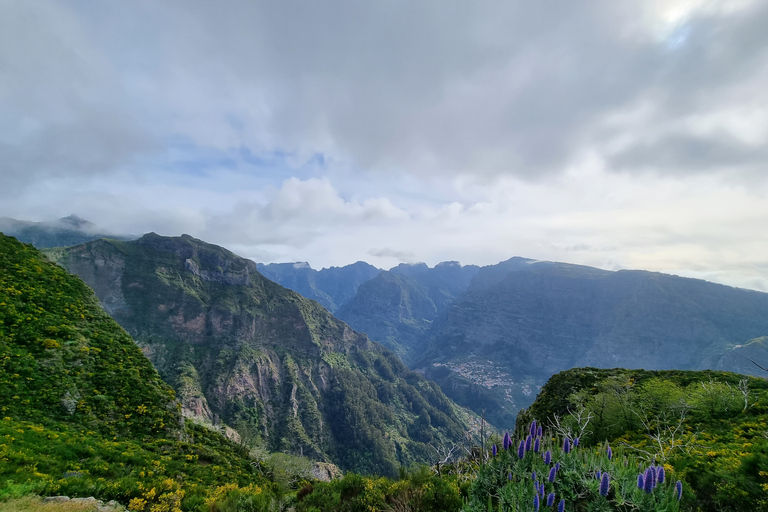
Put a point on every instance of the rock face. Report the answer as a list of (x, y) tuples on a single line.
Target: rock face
[(522, 321), (331, 287), (243, 351)]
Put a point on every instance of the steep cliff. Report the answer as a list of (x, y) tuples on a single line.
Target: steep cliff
[(276, 367)]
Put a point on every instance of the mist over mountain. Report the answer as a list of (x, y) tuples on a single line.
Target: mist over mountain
[(63, 232), (277, 368)]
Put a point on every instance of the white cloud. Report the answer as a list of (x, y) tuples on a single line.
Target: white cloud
[(616, 134)]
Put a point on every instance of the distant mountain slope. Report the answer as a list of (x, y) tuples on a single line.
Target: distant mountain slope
[(523, 321), (277, 367), (71, 230), (331, 287), (397, 307)]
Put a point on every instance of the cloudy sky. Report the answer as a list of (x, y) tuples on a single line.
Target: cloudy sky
[(629, 134)]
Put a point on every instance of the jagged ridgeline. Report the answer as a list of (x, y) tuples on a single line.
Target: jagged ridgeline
[(63, 359), (276, 367)]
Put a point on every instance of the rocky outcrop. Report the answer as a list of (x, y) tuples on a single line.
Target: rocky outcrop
[(245, 353)]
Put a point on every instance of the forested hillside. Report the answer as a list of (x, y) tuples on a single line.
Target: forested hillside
[(277, 368)]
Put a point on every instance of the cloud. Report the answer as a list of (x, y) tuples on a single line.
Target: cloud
[(616, 134), (430, 88)]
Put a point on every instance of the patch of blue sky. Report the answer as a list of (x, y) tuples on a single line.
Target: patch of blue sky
[(679, 36), (185, 162)]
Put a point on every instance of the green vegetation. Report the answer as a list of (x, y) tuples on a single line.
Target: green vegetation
[(710, 427), (244, 352), (83, 413), (62, 358)]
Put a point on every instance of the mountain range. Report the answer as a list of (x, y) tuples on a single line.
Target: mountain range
[(278, 369), (492, 336)]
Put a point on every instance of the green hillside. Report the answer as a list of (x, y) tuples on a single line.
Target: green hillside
[(708, 428), (83, 413), (276, 368)]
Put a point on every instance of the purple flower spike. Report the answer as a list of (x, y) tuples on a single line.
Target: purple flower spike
[(540, 432), (640, 481), (552, 474), (521, 450), (557, 466), (509, 477), (610, 453), (598, 474), (506, 442), (561, 506), (536, 502), (660, 475), (550, 499), (653, 475), (566, 445), (528, 443), (547, 457), (536, 446), (494, 450), (576, 442), (679, 489), (532, 430), (648, 484), (605, 484), (533, 476)]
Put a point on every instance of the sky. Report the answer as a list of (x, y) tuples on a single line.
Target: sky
[(628, 134)]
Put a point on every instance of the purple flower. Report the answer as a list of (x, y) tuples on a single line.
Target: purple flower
[(533, 476), (576, 442), (536, 446), (547, 457), (648, 484), (542, 489), (557, 466), (660, 475), (566, 445), (532, 430), (561, 506), (640, 481), (653, 475), (536, 502), (597, 475), (521, 450), (609, 452), (494, 450), (679, 489), (528, 443), (539, 432), (552, 474), (506, 442), (550, 499), (509, 477), (604, 484)]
